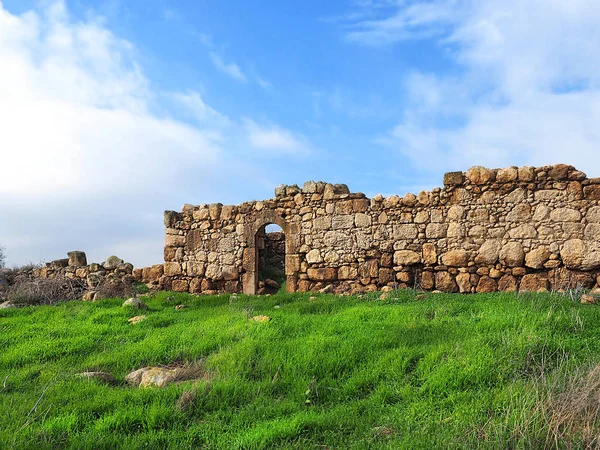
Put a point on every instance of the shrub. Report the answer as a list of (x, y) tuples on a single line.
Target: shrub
[(45, 291), (115, 288)]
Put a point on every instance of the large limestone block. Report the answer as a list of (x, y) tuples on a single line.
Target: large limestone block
[(489, 252), (480, 175), (487, 284), (172, 269), (429, 253), (174, 240), (405, 231), (347, 273), (592, 231), (512, 255), (436, 230), (322, 274), (463, 280), (453, 178), (362, 220), (537, 258), (406, 258), (525, 231), (534, 282), (456, 213), (559, 172), (572, 253), (520, 213), (565, 215), (455, 258), (507, 175), (77, 259), (593, 214), (343, 222), (445, 282), (314, 256), (526, 173)]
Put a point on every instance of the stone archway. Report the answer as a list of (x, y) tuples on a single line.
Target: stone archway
[(252, 230)]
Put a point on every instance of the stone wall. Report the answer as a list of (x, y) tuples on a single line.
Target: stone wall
[(93, 276), (510, 229)]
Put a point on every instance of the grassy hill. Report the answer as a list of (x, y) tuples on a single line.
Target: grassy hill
[(444, 371)]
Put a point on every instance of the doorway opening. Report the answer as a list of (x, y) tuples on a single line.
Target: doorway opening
[(270, 245)]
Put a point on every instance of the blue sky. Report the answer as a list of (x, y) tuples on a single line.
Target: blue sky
[(116, 110)]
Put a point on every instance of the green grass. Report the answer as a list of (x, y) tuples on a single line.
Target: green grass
[(449, 371)]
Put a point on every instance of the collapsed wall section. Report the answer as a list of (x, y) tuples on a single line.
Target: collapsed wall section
[(485, 230)]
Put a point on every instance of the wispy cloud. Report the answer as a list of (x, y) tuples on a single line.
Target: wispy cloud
[(274, 139), (231, 69)]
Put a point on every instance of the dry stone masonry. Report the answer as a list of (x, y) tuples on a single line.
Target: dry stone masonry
[(527, 229)]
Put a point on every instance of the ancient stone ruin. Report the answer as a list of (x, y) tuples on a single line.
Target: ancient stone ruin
[(527, 229)]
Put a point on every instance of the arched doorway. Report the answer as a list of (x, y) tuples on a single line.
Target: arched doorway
[(257, 227), (270, 246)]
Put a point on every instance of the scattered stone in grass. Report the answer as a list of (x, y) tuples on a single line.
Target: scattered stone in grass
[(276, 307), (421, 296), (312, 299), (7, 304), (384, 296), (178, 307), (595, 291), (170, 298), (436, 292), (162, 376), (136, 319), (134, 303), (105, 377), (260, 318), (386, 289), (589, 299)]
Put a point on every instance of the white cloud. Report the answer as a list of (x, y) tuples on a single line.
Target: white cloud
[(275, 139), (528, 89), (90, 157), (231, 69)]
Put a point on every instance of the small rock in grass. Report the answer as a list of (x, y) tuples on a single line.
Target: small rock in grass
[(384, 296), (169, 298), (134, 303), (386, 289), (136, 319), (161, 376), (595, 291), (436, 292), (178, 307), (589, 299), (421, 296), (276, 307), (105, 377), (312, 299), (384, 431), (7, 304), (260, 318), (89, 296)]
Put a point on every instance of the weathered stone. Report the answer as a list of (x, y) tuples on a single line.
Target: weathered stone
[(112, 262), (455, 258), (537, 258), (487, 284), (592, 192), (406, 257), (436, 230), (526, 174), (572, 253), (559, 172), (512, 254), (507, 175), (463, 280), (445, 282), (480, 175), (489, 252), (565, 215), (405, 231), (314, 257), (137, 319), (520, 213), (323, 274), (453, 178), (507, 283), (525, 231), (534, 283), (172, 269), (429, 253), (77, 259), (134, 303), (362, 220), (456, 213)]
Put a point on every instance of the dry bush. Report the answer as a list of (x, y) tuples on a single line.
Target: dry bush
[(574, 415), (115, 288), (45, 291)]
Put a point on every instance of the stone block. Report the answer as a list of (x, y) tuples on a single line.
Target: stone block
[(322, 274)]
